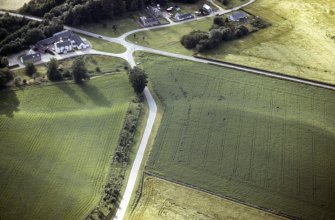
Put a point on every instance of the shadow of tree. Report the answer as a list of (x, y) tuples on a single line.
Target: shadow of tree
[(9, 103), (95, 95), (70, 92)]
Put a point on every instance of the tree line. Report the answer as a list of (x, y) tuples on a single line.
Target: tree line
[(17, 34), (222, 30), (77, 12)]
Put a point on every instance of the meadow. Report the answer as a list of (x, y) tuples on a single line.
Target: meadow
[(12, 4), (260, 140), (300, 41), (56, 146), (166, 200)]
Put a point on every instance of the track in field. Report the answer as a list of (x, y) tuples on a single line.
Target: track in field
[(56, 150), (264, 141)]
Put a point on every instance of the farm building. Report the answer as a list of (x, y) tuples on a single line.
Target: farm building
[(237, 16), (33, 57), (146, 22), (206, 9), (63, 46), (78, 43), (154, 11), (61, 42), (182, 17)]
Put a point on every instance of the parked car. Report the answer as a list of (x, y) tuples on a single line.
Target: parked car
[(169, 9)]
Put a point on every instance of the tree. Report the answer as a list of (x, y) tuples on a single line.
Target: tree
[(79, 71), (34, 35), (138, 79), (53, 73), (5, 76), (219, 21), (3, 62), (30, 69)]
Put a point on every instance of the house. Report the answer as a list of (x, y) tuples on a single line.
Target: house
[(149, 21), (237, 16), (206, 9), (182, 17), (34, 57), (154, 11), (63, 46), (78, 43), (63, 35)]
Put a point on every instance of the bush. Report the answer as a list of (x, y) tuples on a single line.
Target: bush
[(30, 69), (97, 69), (218, 20)]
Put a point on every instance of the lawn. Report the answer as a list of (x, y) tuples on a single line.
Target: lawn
[(165, 200), (168, 39), (105, 63), (264, 141), (124, 24), (300, 41), (56, 145), (12, 4), (104, 46)]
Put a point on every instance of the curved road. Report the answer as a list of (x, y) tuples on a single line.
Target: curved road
[(128, 55)]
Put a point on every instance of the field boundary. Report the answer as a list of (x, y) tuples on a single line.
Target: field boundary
[(159, 176), (249, 69)]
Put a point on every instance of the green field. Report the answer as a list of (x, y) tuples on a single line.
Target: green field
[(300, 41), (56, 145), (12, 4), (264, 141), (104, 46)]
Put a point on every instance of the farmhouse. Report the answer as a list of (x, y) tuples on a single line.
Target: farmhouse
[(182, 17), (33, 57), (63, 46), (61, 42), (237, 16), (146, 22)]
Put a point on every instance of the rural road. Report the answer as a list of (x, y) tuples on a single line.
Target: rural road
[(128, 55)]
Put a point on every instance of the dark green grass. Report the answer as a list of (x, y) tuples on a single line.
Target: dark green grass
[(56, 145), (264, 141)]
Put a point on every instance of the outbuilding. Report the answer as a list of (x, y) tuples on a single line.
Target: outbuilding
[(32, 58), (237, 16)]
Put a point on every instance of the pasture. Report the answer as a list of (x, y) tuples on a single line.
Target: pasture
[(56, 146), (300, 41), (166, 200), (12, 4), (260, 140)]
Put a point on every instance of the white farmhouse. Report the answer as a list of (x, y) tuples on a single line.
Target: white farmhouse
[(63, 46)]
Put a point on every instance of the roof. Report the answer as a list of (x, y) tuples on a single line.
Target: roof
[(63, 34), (207, 7), (237, 16), (184, 16), (47, 41), (77, 39), (29, 57), (63, 44)]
